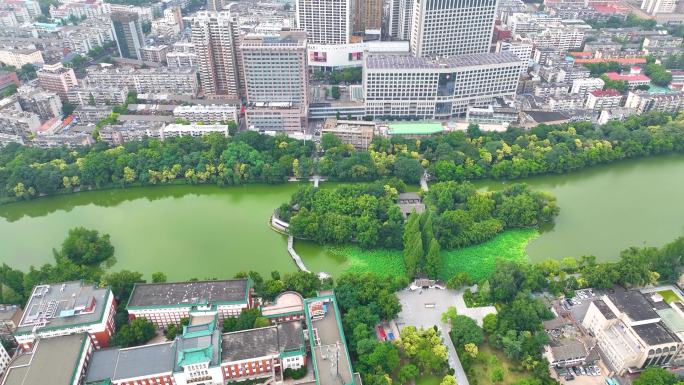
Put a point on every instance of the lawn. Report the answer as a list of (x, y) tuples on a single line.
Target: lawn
[(479, 260), (669, 296), (487, 360), (429, 380)]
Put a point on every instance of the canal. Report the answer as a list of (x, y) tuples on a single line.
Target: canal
[(206, 231)]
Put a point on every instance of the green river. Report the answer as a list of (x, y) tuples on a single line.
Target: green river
[(206, 231)]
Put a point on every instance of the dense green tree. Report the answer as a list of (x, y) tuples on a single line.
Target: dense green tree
[(655, 376), (158, 277), (433, 260), (408, 169), (122, 283), (464, 330), (138, 332), (173, 330), (86, 247)]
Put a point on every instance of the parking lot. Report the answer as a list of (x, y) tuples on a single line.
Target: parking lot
[(586, 379)]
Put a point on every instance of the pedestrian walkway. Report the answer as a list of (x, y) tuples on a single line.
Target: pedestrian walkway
[(294, 255)]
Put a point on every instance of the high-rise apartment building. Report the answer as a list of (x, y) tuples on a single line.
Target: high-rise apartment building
[(214, 5), (400, 14), (275, 71), (452, 27), (128, 34), (655, 7), (326, 21), (216, 36), (366, 16), (426, 88), (57, 78)]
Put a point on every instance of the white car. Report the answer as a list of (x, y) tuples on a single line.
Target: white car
[(597, 370)]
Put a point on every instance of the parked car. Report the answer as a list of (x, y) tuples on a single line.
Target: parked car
[(569, 377), (597, 370), (584, 372), (577, 371)]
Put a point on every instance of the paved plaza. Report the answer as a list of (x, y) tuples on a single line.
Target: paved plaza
[(424, 308)]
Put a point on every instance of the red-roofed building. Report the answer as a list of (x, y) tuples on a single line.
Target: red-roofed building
[(634, 80), (583, 55), (604, 99)]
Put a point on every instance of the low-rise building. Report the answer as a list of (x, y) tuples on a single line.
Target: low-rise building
[(167, 303), (90, 96), (604, 99), (194, 130), (57, 78), (163, 80), (92, 114), (566, 102), (643, 101), (357, 133), (19, 57), (67, 308), (18, 122), (207, 113), (585, 86), (10, 315), (633, 80), (154, 53), (47, 105), (4, 360), (630, 332), (274, 116), (287, 306)]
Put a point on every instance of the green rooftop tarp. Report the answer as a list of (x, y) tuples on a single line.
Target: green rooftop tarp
[(414, 128)]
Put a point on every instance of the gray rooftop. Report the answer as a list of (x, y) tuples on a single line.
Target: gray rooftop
[(189, 293), (117, 364), (328, 346), (634, 304), (252, 343), (53, 362), (61, 305), (267, 341), (604, 309), (568, 350), (398, 62), (655, 334)]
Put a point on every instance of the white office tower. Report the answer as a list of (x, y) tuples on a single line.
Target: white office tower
[(452, 27), (400, 14), (215, 36), (326, 21), (275, 80), (437, 88), (655, 7)]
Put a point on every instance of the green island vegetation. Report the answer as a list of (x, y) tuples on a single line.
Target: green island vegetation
[(457, 216)]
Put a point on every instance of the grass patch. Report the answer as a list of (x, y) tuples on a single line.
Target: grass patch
[(429, 380), (669, 296), (484, 365), (378, 261), (479, 260)]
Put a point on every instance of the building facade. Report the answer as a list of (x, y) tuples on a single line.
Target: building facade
[(215, 36), (643, 101), (452, 27), (325, 21), (57, 78), (358, 133), (601, 100), (128, 34), (207, 113), (366, 17), (19, 57), (403, 86), (162, 80), (275, 71)]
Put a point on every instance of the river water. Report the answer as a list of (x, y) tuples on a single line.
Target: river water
[(206, 231)]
